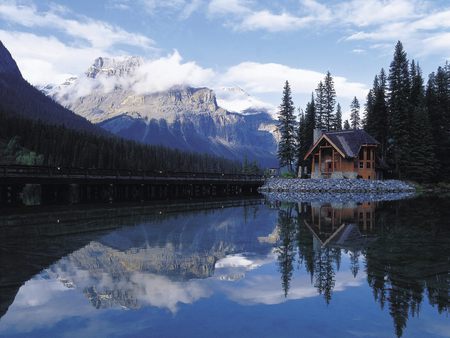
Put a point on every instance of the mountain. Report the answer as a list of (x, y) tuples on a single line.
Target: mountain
[(18, 97), (112, 93)]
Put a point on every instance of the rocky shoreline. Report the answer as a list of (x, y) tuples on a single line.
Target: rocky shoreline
[(335, 198), (335, 186)]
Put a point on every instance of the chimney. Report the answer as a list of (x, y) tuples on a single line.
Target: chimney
[(317, 134)]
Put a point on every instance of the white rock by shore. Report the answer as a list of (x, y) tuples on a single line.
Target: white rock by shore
[(334, 185)]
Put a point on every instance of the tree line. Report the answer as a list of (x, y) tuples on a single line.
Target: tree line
[(34, 142), (394, 226), (411, 120)]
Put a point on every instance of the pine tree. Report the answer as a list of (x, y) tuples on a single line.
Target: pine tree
[(379, 120), (355, 119), (346, 125), (301, 141), (329, 101), (368, 111), (399, 111), (422, 160), (320, 106), (337, 125), (286, 128), (438, 107), (310, 125)]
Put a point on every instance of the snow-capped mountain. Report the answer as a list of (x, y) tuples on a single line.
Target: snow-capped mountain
[(110, 94), (236, 99)]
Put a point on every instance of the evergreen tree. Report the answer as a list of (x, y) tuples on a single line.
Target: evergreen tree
[(438, 107), (329, 101), (302, 143), (320, 106), (355, 119), (338, 118), (399, 111), (377, 126), (310, 125), (369, 110), (286, 128), (422, 160), (346, 125)]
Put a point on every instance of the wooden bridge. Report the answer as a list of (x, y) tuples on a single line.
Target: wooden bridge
[(41, 185)]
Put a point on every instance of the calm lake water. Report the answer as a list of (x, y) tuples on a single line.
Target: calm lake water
[(248, 268)]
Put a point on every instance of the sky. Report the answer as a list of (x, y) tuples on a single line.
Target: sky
[(255, 45)]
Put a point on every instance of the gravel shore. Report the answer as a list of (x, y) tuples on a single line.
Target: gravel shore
[(334, 185)]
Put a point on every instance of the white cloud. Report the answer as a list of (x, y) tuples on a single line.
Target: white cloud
[(273, 22), (269, 78), (415, 22), (373, 12), (49, 60), (46, 59), (170, 71), (97, 34), (222, 7), (185, 8)]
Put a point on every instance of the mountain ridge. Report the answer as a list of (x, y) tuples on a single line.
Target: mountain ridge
[(181, 117)]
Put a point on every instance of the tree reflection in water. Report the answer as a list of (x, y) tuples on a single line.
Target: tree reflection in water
[(402, 247)]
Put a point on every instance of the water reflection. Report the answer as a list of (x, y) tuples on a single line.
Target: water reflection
[(227, 255), (402, 247)]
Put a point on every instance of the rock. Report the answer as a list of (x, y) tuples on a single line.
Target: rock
[(335, 185)]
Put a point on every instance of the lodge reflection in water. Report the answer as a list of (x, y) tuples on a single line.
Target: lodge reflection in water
[(166, 259), (403, 248), (329, 221)]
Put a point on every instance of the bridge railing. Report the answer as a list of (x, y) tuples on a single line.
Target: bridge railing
[(48, 171)]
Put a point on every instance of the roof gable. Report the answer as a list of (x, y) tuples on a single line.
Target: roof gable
[(347, 142)]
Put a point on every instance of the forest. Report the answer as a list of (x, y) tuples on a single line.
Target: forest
[(409, 118), (33, 142)]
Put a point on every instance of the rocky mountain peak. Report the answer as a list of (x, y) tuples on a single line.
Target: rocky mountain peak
[(7, 63), (120, 66)]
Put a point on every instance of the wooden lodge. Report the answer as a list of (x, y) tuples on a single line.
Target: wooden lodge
[(344, 154)]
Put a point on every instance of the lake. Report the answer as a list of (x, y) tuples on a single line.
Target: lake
[(263, 267)]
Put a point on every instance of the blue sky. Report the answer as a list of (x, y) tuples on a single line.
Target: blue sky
[(252, 44)]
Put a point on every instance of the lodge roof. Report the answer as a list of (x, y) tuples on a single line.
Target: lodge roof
[(347, 142)]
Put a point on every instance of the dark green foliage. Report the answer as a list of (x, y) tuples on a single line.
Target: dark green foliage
[(325, 103), (60, 146), (303, 143), (346, 125), (320, 106), (337, 123), (287, 128), (399, 112), (376, 119), (355, 119), (329, 102), (18, 96), (305, 134), (250, 167), (438, 107), (421, 162)]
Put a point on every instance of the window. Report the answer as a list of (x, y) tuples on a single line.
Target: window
[(368, 165), (361, 154), (369, 154), (361, 165)]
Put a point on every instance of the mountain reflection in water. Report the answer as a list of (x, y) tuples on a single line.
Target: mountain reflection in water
[(247, 253)]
